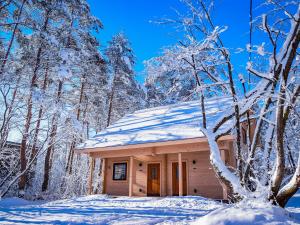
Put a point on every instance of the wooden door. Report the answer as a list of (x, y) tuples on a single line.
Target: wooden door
[(175, 179), (153, 183)]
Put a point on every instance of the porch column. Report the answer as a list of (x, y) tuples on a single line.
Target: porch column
[(180, 174), (91, 173), (130, 176), (103, 175), (225, 191)]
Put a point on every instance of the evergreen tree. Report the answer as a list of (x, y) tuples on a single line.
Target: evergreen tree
[(125, 94)]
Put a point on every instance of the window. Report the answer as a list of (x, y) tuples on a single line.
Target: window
[(120, 171), (153, 173)]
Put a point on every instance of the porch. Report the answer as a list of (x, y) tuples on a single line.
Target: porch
[(169, 170)]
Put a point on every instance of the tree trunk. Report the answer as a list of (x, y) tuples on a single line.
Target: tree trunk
[(237, 121), (283, 70), (69, 166), (36, 132), (50, 148), (280, 158), (49, 152), (246, 178), (199, 84), (290, 188), (110, 106), (40, 113), (23, 148)]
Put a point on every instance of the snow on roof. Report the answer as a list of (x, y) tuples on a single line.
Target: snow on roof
[(165, 123)]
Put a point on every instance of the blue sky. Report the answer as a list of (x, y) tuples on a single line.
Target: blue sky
[(133, 16)]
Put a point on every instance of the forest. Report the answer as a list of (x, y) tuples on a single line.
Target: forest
[(59, 86)]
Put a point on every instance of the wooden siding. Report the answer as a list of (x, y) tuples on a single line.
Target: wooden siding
[(201, 178), (116, 187)]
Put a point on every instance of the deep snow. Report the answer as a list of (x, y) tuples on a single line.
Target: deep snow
[(165, 123), (102, 209), (250, 213)]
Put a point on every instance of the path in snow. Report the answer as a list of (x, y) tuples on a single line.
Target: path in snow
[(99, 209)]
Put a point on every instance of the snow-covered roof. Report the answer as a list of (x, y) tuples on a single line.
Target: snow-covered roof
[(165, 123)]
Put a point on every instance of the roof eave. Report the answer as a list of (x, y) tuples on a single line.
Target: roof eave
[(150, 144)]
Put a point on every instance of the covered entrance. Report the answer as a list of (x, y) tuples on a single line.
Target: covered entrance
[(175, 179), (153, 179)]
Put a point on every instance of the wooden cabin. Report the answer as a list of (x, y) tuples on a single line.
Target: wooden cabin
[(161, 151)]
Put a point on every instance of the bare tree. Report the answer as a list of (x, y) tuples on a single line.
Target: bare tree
[(272, 99)]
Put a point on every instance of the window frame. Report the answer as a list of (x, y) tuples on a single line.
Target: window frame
[(113, 174)]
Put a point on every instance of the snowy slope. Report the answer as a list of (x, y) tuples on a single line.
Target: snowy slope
[(166, 123)]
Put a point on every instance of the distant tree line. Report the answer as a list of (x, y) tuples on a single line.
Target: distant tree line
[(56, 88)]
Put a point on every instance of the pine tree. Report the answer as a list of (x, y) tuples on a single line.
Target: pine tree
[(125, 94)]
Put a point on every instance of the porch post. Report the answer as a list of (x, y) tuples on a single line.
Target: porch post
[(225, 191), (91, 172), (103, 175), (180, 174), (130, 176)]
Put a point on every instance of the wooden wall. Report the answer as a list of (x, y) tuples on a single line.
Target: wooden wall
[(201, 178)]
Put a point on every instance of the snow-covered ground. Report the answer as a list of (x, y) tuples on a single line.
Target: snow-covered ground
[(101, 209), (255, 212), (294, 206)]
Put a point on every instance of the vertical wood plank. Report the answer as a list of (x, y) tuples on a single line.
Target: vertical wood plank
[(223, 155), (103, 176), (180, 174), (130, 176), (175, 182), (184, 179)]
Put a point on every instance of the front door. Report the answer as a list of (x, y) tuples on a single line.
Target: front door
[(175, 178), (153, 184)]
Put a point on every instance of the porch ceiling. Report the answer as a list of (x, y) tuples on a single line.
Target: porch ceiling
[(156, 148)]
